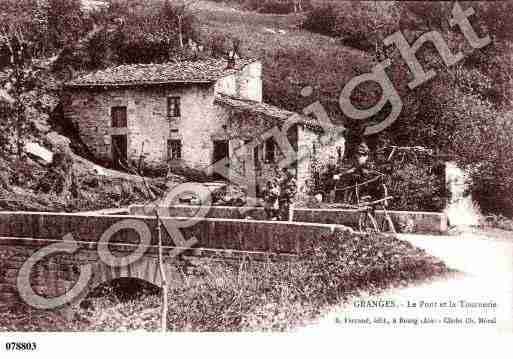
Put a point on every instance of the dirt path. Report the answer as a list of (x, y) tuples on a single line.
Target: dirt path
[(484, 261)]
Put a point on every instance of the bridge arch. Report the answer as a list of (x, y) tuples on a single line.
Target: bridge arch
[(146, 269)]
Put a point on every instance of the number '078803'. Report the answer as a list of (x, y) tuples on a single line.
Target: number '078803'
[(19, 346)]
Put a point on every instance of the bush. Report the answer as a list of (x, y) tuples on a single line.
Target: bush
[(277, 7), (152, 35), (462, 124), (66, 22), (358, 24), (499, 221), (322, 20), (415, 187)]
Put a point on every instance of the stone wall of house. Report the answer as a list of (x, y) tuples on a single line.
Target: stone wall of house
[(247, 130), (247, 127), (310, 148), (148, 125), (247, 84)]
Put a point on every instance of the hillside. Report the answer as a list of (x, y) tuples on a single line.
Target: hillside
[(288, 53), (292, 57), (447, 114)]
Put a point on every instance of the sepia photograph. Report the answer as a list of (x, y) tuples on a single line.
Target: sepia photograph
[(205, 168)]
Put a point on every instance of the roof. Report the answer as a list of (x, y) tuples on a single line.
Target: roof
[(264, 109), (185, 72)]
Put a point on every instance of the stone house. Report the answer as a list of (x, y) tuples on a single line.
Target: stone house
[(187, 115)]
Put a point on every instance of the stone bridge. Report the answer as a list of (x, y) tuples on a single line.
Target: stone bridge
[(54, 260)]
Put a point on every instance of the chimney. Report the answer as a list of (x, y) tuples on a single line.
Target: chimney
[(231, 60)]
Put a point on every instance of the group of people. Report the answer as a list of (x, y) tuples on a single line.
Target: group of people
[(358, 170), (281, 190), (278, 196)]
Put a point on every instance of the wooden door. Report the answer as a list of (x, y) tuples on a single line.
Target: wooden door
[(119, 151)]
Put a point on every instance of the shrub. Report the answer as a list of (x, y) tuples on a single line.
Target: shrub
[(277, 7), (322, 20), (499, 221), (462, 124), (416, 187), (66, 22)]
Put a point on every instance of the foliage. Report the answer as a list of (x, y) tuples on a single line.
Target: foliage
[(154, 34), (66, 22), (322, 20), (360, 24), (463, 123), (61, 188), (20, 78), (416, 187), (271, 6), (274, 6), (123, 32)]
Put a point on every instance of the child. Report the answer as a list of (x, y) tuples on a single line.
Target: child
[(271, 196)]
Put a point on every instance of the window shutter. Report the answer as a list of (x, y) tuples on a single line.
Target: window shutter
[(118, 116)]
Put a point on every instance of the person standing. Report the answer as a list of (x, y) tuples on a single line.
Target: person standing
[(271, 196), (288, 190)]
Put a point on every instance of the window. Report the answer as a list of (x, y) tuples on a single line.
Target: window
[(174, 148), (339, 154), (118, 116), (256, 161), (173, 106), (269, 150)]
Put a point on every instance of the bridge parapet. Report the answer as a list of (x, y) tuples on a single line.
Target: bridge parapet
[(212, 233), (413, 221), (24, 235)]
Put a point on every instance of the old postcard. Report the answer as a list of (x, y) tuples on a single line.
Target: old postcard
[(321, 168)]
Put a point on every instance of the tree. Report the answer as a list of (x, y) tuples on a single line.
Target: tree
[(65, 22), (20, 77), (182, 10)]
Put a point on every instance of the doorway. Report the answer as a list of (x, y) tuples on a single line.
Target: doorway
[(119, 151), (221, 151)]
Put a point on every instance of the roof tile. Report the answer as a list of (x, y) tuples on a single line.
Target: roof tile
[(264, 109), (202, 71)]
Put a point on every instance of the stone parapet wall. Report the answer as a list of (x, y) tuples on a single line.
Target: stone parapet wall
[(235, 234), (419, 222)]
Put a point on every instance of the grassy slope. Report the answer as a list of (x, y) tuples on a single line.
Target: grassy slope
[(293, 59)]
